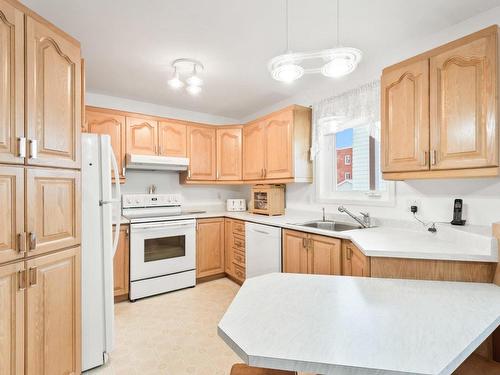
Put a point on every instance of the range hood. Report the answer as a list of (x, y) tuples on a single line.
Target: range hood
[(156, 163)]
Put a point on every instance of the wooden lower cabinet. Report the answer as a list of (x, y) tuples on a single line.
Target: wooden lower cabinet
[(53, 314), (12, 297), (209, 247), (40, 326), (121, 265), (235, 253), (311, 254), (354, 262)]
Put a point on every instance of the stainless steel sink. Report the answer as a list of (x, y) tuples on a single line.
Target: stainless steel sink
[(330, 225)]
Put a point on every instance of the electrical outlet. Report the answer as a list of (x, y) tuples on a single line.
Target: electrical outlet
[(413, 205)]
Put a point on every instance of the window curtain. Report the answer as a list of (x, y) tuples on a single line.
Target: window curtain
[(358, 106)]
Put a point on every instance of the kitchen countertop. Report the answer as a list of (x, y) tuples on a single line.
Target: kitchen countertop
[(350, 326), (467, 243)]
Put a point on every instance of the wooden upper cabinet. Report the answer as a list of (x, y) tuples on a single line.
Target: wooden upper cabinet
[(202, 152), (11, 82), (325, 258), (53, 200), (229, 154), (279, 146), (12, 237), (405, 118), (295, 252), (12, 295), (53, 314), (209, 247), (112, 125), (463, 96), (254, 157), (53, 97), (172, 139), (141, 136)]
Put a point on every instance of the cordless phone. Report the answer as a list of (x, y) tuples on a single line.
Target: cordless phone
[(457, 213)]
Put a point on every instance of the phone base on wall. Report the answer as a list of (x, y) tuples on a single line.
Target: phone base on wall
[(458, 222)]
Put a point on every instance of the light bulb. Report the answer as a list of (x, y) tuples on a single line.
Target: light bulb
[(194, 80), (343, 61), (288, 72), (193, 90), (175, 82)]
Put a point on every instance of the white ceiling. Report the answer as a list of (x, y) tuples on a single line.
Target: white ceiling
[(129, 44)]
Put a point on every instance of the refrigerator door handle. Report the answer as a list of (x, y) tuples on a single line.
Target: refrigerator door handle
[(117, 199)]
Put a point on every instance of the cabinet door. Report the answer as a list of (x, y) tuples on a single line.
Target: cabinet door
[(295, 252), (254, 157), (53, 201), (279, 147), (209, 247), (463, 91), (141, 136), (202, 153), (354, 262), (172, 139), (53, 314), (12, 291), (53, 95), (228, 249), (121, 272), (112, 125), (325, 255), (11, 82), (12, 238), (405, 118), (229, 154)]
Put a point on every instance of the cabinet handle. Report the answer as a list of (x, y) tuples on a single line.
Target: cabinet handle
[(33, 276), (349, 253), (123, 171), (21, 147), (21, 279), (424, 163), (33, 149), (21, 243), (32, 241), (161, 150), (304, 243), (265, 172), (434, 157), (217, 175), (310, 244)]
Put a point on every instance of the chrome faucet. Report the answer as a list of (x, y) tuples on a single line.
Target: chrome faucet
[(323, 209), (365, 221)]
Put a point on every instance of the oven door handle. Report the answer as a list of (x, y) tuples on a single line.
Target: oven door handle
[(163, 225)]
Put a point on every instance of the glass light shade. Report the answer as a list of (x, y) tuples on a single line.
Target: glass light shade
[(287, 72), (194, 80), (342, 62), (193, 90), (175, 83)]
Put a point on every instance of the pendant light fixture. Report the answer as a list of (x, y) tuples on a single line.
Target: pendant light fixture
[(335, 62), (187, 67)]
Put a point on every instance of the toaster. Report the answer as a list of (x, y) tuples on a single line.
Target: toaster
[(236, 205)]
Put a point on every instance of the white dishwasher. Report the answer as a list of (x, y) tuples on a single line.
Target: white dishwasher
[(263, 249)]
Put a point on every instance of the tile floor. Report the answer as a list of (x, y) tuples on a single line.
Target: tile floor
[(173, 334)]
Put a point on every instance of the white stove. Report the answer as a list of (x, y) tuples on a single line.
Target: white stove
[(162, 248)]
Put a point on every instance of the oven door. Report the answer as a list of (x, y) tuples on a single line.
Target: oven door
[(158, 249)]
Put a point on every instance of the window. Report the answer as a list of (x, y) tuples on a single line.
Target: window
[(348, 163)]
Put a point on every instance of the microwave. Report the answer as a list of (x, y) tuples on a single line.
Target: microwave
[(268, 200)]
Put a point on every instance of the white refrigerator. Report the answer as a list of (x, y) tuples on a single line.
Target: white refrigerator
[(98, 247)]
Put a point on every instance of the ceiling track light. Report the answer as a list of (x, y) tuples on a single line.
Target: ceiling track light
[(190, 68), (334, 62)]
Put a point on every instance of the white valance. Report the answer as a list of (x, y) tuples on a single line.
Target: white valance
[(357, 106)]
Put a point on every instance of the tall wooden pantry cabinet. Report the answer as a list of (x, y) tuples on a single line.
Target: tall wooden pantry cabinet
[(40, 203)]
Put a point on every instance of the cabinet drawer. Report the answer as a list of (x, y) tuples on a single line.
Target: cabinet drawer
[(239, 227), (238, 242), (239, 257), (239, 272)]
